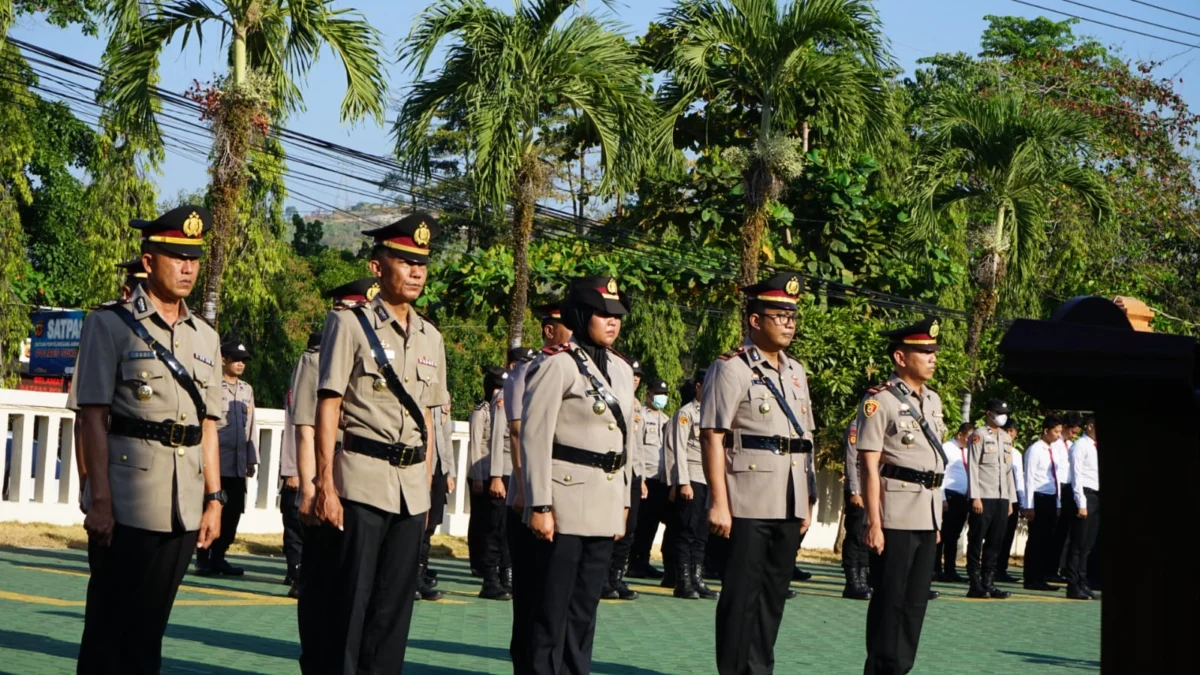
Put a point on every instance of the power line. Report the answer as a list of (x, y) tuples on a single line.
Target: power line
[(1130, 18), (1109, 25), (1171, 11)]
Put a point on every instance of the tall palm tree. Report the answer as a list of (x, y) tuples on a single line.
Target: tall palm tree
[(509, 72), (272, 46), (808, 64), (1001, 160)]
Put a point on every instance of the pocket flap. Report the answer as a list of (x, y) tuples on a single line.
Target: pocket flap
[(745, 461), (895, 485), (136, 456), (568, 474), (142, 370)]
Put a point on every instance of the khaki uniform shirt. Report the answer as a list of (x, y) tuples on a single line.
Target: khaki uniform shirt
[(989, 452), (684, 457), (651, 439), (514, 392), (853, 483), (738, 402), (301, 409), (500, 442), (480, 442), (236, 431), (558, 408), (883, 425), (443, 438), (154, 487), (372, 411)]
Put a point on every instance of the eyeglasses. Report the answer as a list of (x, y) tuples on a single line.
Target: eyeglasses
[(781, 319)]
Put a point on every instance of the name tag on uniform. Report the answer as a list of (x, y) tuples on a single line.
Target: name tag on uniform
[(756, 381), (135, 356), (390, 354), (906, 411)]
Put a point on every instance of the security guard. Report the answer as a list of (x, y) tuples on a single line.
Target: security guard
[(444, 473), (856, 562), (500, 466), (479, 470), (148, 395), (525, 586), (992, 492), (757, 427), (900, 431), (383, 366), (684, 464), (577, 441)]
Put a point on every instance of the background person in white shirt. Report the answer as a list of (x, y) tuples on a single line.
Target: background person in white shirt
[(1010, 531), (1041, 503), (955, 504), (1085, 486), (1072, 425)]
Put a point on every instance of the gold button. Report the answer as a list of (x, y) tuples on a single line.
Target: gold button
[(610, 476), (124, 458), (753, 467), (904, 485), (145, 375), (406, 378), (612, 425), (183, 417), (406, 413), (793, 463), (177, 344), (567, 479), (181, 452)]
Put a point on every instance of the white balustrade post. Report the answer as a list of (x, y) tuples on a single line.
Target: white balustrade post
[(20, 478), (5, 466), (68, 474), (45, 484), (454, 522), (268, 470)]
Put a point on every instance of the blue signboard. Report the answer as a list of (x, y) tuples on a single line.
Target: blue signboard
[(55, 342)]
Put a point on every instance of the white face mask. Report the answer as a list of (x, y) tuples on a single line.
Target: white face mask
[(659, 401), (1001, 420)]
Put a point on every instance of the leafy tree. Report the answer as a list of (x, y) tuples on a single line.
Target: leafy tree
[(306, 236), (272, 44), (508, 72)]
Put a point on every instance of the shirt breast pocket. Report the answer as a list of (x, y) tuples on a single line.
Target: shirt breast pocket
[(371, 384), (426, 382), (143, 380), (990, 455), (202, 375)]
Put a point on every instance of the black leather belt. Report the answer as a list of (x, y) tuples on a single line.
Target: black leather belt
[(394, 454), (167, 432), (777, 444), (609, 462), (1090, 491), (929, 479)]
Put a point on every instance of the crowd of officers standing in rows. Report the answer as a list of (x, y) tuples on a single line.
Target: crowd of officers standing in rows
[(562, 456)]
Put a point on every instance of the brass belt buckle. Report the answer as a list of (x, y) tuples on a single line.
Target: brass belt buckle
[(171, 435)]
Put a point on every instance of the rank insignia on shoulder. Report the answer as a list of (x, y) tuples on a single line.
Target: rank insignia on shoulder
[(481, 405), (556, 349), (140, 304), (136, 356), (880, 387), (201, 359), (730, 354), (870, 407)]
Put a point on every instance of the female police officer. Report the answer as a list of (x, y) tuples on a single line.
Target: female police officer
[(576, 446)]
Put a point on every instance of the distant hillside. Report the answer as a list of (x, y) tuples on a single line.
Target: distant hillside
[(342, 229)]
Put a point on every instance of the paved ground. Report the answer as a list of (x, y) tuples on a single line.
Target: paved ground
[(248, 626)]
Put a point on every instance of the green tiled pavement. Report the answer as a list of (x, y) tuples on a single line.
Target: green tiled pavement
[(247, 626)]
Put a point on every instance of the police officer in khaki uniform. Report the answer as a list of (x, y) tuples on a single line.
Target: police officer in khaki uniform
[(500, 465), (855, 556), (444, 473), (902, 467), (525, 586), (756, 429), (992, 491), (684, 466), (383, 367), (147, 387), (577, 440), (478, 471)]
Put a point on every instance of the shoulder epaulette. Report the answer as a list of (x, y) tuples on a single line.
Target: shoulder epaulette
[(556, 349), (428, 320), (881, 387), (732, 353), (618, 354), (481, 405)]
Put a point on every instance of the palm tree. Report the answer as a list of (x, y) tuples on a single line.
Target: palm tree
[(508, 73), (1001, 160), (272, 45), (812, 64)]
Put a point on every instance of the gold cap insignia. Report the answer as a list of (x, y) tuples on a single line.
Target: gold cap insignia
[(193, 226), (793, 286), (373, 291), (934, 330), (422, 235), (612, 286)]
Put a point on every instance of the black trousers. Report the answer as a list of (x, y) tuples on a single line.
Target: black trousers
[(526, 591), (1010, 533), (693, 526), (986, 535), (623, 546), (1083, 538), (129, 598), (570, 572), (754, 588), (293, 529), (318, 567), (231, 515), (652, 511), (496, 552), (1039, 563), (437, 509), (900, 582), (958, 507), (477, 526), (855, 553), (1062, 529), (375, 578)]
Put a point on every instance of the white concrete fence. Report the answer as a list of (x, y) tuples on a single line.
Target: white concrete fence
[(43, 486)]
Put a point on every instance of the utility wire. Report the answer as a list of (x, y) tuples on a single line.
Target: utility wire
[(1165, 9), (1109, 25)]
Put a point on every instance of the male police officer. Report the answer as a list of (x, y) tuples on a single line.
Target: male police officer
[(900, 431), (148, 391), (856, 560), (500, 467), (757, 424), (684, 469), (992, 491), (444, 473), (383, 367)]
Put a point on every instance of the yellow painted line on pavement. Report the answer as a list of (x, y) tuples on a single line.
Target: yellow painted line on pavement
[(238, 598), (40, 600)]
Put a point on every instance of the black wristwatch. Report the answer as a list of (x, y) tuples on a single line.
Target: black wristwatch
[(540, 509), (219, 496)]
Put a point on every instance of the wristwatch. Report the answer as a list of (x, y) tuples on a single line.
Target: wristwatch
[(540, 509), (219, 496)]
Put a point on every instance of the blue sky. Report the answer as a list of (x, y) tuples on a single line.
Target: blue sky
[(915, 28)]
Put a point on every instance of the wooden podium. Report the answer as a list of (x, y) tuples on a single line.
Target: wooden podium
[(1143, 388)]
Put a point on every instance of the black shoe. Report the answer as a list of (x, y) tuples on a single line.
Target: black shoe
[(492, 588), (428, 581), (1056, 579), (425, 590), (476, 573), (431, 573), (934, 595), (616, 580), (989, 584), (608, 592), (1038, 586), (952, 577), (702, 588), (204, 569), (864, 580), (1088, 589), (854, 589), (223, 568), (643, 571), (289, 579), (791, 594), (977, 589), (684, 588), (1076, 593), (1005, 577), (800, 575), (294, 592), (506, 578)]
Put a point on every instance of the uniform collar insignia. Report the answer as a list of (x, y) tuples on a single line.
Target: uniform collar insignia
[(382, 314), (140, 304)]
